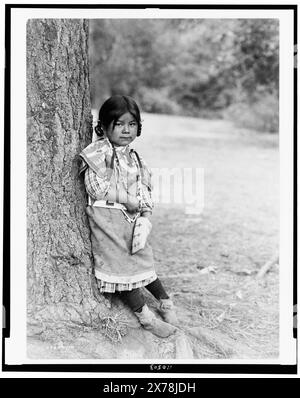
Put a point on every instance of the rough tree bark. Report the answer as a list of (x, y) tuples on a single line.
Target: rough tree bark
[(59, 264)]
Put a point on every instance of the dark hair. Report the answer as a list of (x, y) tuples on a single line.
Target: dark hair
[(113, 108)]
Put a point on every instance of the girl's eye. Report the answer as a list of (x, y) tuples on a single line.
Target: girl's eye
[(120, 124)]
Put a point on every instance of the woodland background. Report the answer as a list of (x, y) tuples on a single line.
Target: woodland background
[(207, 68), (207, 89)]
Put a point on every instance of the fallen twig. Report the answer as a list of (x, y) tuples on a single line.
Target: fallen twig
[(266, 267)]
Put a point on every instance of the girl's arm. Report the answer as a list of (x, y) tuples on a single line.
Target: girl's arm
[(95, 186), (146, 201), (104, 189)]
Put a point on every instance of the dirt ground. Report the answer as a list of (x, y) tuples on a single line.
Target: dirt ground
[(208, 262), (232, 238)]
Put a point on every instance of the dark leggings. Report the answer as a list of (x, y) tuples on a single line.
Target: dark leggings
[(135, 299)]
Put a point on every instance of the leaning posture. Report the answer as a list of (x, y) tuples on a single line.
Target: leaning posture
[(118, 184)]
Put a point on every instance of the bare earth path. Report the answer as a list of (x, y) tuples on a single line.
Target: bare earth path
[(209, 262)]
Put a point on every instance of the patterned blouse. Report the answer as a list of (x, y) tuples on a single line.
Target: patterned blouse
[(125, 176)]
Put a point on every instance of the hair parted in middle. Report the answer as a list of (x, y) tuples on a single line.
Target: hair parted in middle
[(113, 108)]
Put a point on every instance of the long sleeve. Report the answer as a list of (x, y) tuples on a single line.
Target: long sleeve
[(145, 185), (146, 199), (95, 186)]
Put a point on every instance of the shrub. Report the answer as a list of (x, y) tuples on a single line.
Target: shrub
[(262, 115), (157, 101)]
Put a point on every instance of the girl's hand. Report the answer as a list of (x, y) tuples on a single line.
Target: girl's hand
[(146, 214), (128, 200), (132, 204)]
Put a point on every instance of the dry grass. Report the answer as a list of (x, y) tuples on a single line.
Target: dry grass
[(114, 327), (238, 316)]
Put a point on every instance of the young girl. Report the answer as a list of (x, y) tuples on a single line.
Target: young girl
[(118, 184)]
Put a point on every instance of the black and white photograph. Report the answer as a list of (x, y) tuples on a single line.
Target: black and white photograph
[(151, 182)]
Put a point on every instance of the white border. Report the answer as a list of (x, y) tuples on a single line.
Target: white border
[(16, 345)]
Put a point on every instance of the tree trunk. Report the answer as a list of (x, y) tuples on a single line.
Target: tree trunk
[(59, 263)]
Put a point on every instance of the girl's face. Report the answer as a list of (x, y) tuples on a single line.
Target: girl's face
[(123, 131)]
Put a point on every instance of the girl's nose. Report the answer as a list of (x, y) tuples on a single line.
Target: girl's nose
[(126, 129)]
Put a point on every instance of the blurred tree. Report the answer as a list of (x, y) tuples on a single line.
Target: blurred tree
[(197, 67), (256, 47)]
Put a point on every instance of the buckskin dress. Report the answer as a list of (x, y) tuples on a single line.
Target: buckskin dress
[(104, 167)]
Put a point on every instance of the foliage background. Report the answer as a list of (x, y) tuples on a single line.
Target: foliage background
[(208, 68)]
